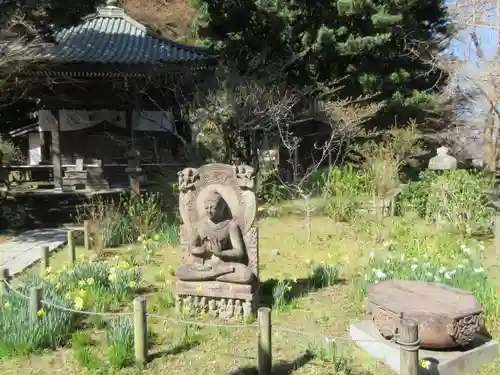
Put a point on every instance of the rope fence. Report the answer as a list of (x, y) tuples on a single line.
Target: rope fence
[(407, 339)]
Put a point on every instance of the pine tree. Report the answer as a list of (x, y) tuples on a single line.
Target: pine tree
[(360, 45)]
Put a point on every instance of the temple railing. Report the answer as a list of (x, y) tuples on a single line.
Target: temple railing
[(79, 176)]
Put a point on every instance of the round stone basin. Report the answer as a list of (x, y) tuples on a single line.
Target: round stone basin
[(446, 317)]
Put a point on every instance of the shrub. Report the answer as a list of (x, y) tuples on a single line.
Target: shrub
[(270, 189), (457, 198), (125, 220), (120, 336), (347, 190), (10, 152)]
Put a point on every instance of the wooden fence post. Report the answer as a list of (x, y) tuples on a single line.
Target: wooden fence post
[(71, 247), (496, 232), (44, 260), (140, 330), (35, 302), (5, 278), (86, 235), (409, 344), (265, 347)]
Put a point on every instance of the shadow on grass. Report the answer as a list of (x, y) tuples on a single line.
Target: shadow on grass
[(282, 292), (281, 368), (178, 349)]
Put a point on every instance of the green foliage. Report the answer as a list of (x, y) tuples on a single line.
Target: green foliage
[(81, 343), (314, 44), (324, 275), (120, 336), (282, 294), (327, 351), (457, 198), (88, 285), (128, 219), (20, 336), (270, 189), (9, 151), (347, 191)]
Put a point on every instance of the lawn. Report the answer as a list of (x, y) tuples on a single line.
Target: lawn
[(286, 257)]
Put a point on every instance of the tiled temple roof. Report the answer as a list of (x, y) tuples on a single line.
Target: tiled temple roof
[(111, 37)]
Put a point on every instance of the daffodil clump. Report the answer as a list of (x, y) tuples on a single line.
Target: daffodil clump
[(460, 270), (89, 285), (19, 336)]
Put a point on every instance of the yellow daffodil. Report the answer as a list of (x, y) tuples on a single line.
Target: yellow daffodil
[(20, 270), (132, 284), (40, 312), (261, 209), (78, 303), (203, 314)]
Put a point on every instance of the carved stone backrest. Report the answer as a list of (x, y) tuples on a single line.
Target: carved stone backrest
[(235, 184)]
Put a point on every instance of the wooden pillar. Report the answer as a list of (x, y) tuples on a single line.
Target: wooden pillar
[(56, 150)]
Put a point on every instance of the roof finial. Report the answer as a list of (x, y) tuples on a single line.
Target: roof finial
[(112, 3)]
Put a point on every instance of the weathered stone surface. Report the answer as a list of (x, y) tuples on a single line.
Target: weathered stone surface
[(442, 161), (447, 317), (449, 362), (219, 239)]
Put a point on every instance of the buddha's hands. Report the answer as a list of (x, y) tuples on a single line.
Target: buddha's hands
[(197, 250), (214, 246)]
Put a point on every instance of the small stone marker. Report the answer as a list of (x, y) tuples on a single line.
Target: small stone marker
[(442, 161)]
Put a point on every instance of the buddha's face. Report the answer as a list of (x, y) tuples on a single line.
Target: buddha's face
[(214, 204)]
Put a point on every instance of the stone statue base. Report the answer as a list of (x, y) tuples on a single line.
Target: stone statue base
[(447, 317), (217, 299)]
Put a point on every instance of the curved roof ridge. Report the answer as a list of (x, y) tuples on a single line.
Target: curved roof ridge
[(110, 11)]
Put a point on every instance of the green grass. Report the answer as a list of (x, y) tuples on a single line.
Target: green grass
[(334, 265)]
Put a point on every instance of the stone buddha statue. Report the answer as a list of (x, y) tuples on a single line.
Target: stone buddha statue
[(218, 246)]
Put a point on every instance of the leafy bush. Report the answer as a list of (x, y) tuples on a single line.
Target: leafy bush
[(270, 189), (347, 191), (10, 152), (457, 198), (120, 336), (123, 221)]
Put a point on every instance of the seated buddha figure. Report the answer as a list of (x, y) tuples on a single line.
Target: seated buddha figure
[(218, 244)]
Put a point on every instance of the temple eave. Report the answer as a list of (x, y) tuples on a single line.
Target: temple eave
[(119, 70)]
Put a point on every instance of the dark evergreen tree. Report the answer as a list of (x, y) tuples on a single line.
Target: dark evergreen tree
[(361, 46)]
